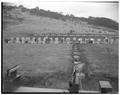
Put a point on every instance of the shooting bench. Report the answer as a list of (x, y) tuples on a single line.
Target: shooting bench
[(12, 74)]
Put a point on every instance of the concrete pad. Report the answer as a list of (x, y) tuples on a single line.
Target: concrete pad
[(32, 89)]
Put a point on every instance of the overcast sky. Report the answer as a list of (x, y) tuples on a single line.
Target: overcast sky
[(80, 9)]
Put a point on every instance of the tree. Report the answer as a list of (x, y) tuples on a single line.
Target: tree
[(37, 8), (21, 6), (61, 13), (72, 15)]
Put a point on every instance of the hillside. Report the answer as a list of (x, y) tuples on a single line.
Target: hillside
[(99, 21), (23, 21)]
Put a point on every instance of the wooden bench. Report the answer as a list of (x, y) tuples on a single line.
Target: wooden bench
[(12, 73)]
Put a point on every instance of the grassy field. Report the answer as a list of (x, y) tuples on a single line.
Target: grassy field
[(50, 65), (103, 58), (102, 64), (41, 65)]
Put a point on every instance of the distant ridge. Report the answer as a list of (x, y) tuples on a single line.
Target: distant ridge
[(98, 21), (101, 21)]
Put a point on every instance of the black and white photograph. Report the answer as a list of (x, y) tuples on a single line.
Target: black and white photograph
[(59, 47)]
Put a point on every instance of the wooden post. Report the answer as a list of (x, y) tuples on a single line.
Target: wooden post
[(39, 40), (17, 40), (56, 40), (51, 40), (98, 41)]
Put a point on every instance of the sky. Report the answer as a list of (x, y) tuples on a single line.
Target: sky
[(77, 8)]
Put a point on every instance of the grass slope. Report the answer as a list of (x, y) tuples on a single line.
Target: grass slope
[(31, 24)]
